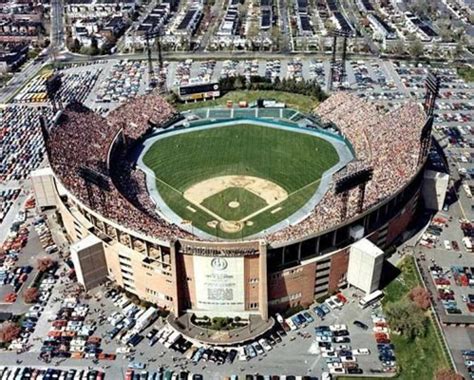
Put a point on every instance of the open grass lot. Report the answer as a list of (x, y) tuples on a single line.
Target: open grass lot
[(292, 160), (421, 358), (298, 102), (467, 73)]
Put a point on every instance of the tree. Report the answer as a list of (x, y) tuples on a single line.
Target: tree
[(458, 50), (8, 332), (30, 295), (447, 374), (398, 48), (406, 318), (76, 46), (45, 263), (94, 50), (416, 48), (420, 296)]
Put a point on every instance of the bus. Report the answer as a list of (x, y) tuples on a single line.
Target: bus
[(370, 299)]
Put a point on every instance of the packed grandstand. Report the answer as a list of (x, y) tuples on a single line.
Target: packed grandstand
[(388, 142)]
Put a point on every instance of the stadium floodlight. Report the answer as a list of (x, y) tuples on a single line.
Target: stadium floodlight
[(154, 32), (346, 183), (338, 66), (432, 84), (354, 179)]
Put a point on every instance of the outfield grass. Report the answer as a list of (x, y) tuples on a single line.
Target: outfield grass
[(219, 203), (299, 102), (292, 160)]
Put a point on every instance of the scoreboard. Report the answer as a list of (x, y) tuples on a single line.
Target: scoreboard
[(199, 91)]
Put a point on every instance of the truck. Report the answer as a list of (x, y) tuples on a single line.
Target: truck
[(173, 338), (146, 319)]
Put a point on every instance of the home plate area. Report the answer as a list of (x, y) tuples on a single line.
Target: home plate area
[(231, 201)]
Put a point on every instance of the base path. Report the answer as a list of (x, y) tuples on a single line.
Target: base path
[(269, 191)]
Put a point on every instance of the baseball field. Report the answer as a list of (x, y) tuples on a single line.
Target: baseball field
[(235, 181)]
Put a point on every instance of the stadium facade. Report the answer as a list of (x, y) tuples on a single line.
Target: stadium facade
[(178, 270)]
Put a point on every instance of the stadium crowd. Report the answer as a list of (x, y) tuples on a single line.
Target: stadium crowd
[(388, 142), (138, 112), (82, 138)]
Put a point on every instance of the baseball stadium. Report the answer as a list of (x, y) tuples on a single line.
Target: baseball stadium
[(232, 211)]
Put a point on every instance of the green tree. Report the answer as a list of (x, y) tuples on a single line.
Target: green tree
[(94, 50), (398, 48), (406, 318), (416, 48), (76, 46)]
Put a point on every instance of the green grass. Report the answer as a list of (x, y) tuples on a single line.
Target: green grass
[(467, 73), (292, 160), (299, 102), (219, 203)]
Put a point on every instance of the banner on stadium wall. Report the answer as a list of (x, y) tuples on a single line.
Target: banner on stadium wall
[(219, 283)]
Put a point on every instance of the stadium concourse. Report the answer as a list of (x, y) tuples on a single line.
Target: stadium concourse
[(388, 142)]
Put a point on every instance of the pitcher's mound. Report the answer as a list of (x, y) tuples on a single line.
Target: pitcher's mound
[(234, 204)]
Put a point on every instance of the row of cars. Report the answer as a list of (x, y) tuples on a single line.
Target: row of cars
[(31, 317), (295, 69), (128, 323), (468, 356), (384, 345), (11, 274), (75, 85), (7, 200), (272, 69), (125, 80), (21, 143), (333, 345), (45, 236), (431, 236), (183, 73), (445, 293), (31, 373), (71, 334)]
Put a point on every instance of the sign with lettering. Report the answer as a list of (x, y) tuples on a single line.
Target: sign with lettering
[(219, 283)]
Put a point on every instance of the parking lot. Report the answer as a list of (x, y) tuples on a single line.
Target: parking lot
[(71, 326)]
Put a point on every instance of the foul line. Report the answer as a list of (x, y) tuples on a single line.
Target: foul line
[(256, 213)]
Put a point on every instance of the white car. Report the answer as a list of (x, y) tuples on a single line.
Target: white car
[(447, 245), (323, 338), (326, 376), (264, 343), (329, 354), (348, 359), (337, 327), (337, 371), (361, 351)]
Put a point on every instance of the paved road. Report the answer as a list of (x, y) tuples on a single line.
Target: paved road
[(19, 80), (57, 24)]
